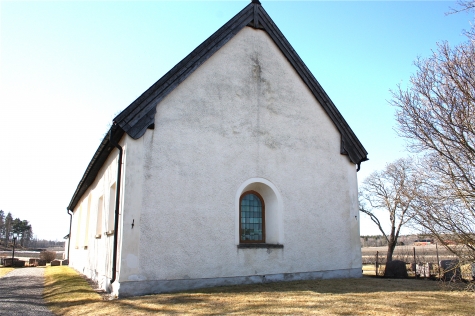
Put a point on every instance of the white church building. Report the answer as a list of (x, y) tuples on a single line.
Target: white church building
[(235, 167)]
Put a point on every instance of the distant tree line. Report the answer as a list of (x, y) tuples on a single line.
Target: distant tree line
[(381, 241), (10, 227), (373, 241), (36, 243)]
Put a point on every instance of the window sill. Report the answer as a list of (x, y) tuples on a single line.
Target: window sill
[(98, 236), (110, 233), (265, 246)]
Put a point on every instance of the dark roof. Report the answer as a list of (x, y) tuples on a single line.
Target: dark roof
[(140, 115)]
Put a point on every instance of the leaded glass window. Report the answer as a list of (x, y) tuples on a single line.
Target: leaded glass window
[(252, 223)]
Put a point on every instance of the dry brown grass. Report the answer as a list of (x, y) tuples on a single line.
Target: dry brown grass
[(68, 294), (65, 289), (4, 270)]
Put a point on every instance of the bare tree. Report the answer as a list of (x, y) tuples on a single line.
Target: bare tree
[(443, 213), (390, 193), (436, 114), (463, 5)]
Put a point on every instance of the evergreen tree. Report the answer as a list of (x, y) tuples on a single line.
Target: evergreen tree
[(22, 229), (2, 225), (8, 227)]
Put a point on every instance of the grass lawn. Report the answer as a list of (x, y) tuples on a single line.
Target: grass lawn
[(67, 293), (4, 270)]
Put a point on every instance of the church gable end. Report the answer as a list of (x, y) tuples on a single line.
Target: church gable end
[(244, 161), (140, 115)]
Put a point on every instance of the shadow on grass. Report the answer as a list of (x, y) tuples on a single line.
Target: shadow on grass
[(331, 286), (299, 302)]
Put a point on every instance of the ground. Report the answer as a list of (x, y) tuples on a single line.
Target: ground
[(363, 296)]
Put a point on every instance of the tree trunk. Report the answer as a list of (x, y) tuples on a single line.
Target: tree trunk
[(391, 247)]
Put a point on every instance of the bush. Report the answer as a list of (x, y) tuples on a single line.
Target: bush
[(48, 256)]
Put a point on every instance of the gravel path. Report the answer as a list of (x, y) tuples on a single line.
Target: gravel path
[(21, 293)]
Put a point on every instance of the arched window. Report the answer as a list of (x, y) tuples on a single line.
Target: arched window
[(251, 218)]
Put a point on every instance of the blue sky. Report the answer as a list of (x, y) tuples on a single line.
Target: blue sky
[(67, 68)]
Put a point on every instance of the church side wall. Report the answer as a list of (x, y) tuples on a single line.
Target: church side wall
[(243, 120), (133, 195), (92, 231)]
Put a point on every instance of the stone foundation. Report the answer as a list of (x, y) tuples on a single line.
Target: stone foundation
[(135, 288)]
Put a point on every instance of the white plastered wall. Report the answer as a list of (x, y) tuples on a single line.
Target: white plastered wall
[(91, 254), (133, 193), (244, 114)]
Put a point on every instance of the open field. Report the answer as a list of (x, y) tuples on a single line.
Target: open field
[(25, 255), (67, 293), (424, 254)]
